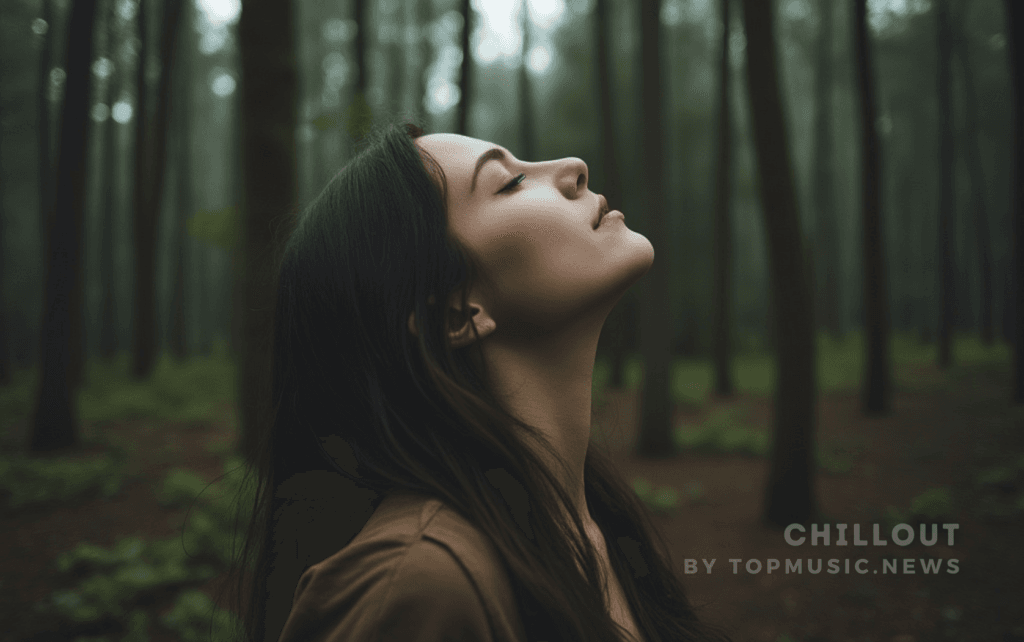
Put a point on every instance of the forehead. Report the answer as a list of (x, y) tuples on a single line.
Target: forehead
[(455, 153)]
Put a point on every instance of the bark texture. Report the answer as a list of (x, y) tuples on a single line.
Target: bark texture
[(790, 493)]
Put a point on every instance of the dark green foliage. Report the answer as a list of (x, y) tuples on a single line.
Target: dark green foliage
[(722, 433), (29, 482), (114, 580), (191, 619)]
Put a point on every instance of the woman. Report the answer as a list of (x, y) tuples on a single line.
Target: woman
[(428, 474)]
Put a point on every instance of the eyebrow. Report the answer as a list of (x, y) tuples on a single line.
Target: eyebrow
[(494, 153)]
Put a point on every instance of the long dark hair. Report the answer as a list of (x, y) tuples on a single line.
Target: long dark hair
[(359, 398)]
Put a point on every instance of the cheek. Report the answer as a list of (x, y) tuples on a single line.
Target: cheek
[(519, 255), (540, 278)]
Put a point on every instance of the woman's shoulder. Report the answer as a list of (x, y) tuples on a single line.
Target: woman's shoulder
[(416, 571)]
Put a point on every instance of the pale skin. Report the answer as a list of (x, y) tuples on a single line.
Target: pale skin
[(550, 279)]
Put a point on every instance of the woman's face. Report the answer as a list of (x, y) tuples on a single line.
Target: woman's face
[(536, 237)]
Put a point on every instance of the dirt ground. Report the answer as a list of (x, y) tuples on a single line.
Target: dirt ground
[(938, 435), (933, 438)]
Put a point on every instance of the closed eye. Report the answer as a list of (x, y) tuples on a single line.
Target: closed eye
[(513, 183)]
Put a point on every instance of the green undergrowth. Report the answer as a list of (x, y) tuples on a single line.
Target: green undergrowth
[(666, 500), (110, 585), (189, 392), (931, 506), (724, 432), (999, 489), (840, 366), (32, 482), (996, 494), (192, 392)]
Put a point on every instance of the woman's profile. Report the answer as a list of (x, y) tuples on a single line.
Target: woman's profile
[(428, 473)]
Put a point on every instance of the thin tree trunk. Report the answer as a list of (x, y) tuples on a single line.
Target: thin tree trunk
[(906, 196), (183, 202), (108, 301), (423, 15), (826, 242), (722, 326), (465, 78), (5, 352), (54, 421), (618, 324), (269, 114), (526, 130), (1015, 34), (45, 143), (152, 165), (877, 390), (655, 436), (947, 186), (144, 230), (359, 112), (169, 24), (76, 355), (790, 495), (178, 345), (396, 60), (976, 172)]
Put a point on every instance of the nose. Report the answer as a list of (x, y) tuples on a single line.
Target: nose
[(573, 176)]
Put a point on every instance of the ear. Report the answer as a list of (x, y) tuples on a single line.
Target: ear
[(460, 334), (461, 331)]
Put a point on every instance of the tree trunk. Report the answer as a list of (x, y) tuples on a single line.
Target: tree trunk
[(76, 354), (906, 195), (826, 241), (465, 78), (183, 202), (172, 10), (790, 493), (526, 130), (396, 60), (947, 186), (269, 114), (976, 171), (877, 389), (43, 124), (423, 16), (1015, 34), (144, 229), (722, 326), (55, 421), (5, 352), (655, 436), (151, 163), (108, 300), (359, 111), (618, 324)]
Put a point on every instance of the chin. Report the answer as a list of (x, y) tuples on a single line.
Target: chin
[(632, 267), (642, 256)]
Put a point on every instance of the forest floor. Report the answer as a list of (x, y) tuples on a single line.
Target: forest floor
[(944, 432)]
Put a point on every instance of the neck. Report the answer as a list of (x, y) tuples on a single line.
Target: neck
[(546, 382)]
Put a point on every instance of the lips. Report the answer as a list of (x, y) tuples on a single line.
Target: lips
[(602, 209)]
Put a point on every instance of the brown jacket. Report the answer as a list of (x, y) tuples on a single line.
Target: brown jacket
[(416, 572)]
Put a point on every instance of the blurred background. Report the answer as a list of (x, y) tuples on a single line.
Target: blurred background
[(829, 186)]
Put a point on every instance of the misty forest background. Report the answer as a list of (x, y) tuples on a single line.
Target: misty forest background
[(811, 172)]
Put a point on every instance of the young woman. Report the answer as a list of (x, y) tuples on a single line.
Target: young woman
[(428, 474)]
